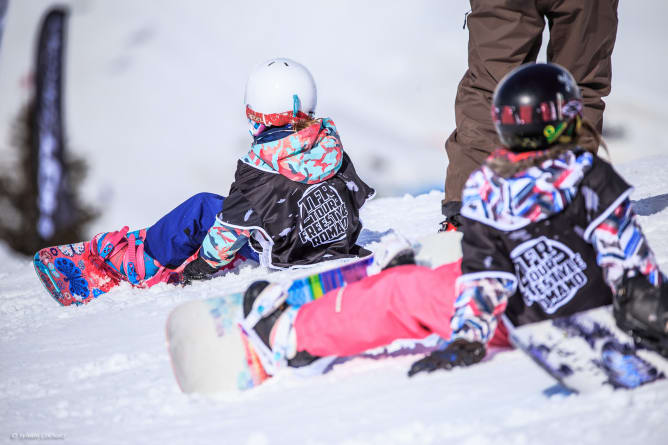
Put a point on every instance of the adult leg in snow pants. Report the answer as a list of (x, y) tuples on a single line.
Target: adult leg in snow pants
[(504, 34)]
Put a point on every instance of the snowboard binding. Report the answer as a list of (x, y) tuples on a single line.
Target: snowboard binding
[(270, 320), (641, 310), (396, 251)]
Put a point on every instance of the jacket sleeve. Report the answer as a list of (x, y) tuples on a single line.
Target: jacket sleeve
[(230, 231), (622, 248), (487, 282), (613, 228), (221, 243)]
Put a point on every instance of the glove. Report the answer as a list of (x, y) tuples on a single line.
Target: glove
[(458, 353), (197, 269)]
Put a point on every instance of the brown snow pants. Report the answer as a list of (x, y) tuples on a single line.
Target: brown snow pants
[(504, 34)]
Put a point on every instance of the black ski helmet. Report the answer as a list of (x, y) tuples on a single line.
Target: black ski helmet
[(535, 106)]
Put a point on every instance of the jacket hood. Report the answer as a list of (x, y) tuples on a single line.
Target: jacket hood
[(528, 196), (309, 156)]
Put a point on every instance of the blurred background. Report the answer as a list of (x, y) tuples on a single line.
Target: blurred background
[(153, 90)]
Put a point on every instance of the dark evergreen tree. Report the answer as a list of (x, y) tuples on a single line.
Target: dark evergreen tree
[(18, 192)]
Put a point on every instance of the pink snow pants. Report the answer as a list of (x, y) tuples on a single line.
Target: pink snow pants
[(401, 302)]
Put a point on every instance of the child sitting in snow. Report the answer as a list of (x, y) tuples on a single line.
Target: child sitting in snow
[(295, 199), (548, 231)]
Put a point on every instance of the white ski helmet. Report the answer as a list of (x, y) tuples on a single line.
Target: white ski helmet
[(280, 91)]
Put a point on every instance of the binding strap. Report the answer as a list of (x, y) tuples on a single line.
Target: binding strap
[(107, 245)]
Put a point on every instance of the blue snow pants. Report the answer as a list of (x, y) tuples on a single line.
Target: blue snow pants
[(178, 234)]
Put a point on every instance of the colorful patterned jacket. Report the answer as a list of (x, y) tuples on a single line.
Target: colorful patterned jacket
[(545, 242), (311, 156)]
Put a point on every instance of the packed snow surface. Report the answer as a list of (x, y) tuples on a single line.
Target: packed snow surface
[(154, 94), (101, 373)]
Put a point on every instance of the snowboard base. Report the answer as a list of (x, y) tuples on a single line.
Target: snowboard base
[(71, 275), (217, 360), (209, 350), (586, 352)]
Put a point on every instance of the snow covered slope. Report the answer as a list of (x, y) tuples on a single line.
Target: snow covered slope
[(162, 81), (101, 373)]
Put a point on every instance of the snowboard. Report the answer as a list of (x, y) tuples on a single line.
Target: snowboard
[(74, 276), (587, 352), (210, 352), (71, 275), (209, 349)]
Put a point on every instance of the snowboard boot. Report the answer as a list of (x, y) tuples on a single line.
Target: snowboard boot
[(451, 211), (197, 270), (122, 253), (269, 319), (449, 224), (641, 309), (396, 251)]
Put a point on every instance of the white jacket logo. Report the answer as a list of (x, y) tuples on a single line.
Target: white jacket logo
[(324, 215), (550, 273)]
